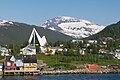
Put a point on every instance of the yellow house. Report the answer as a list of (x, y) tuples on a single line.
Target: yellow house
[(52, 50), (30, 63)]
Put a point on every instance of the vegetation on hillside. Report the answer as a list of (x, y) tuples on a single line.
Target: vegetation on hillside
[(110, 31), (72, 57)]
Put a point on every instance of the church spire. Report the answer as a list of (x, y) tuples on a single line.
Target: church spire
[(42, 41)]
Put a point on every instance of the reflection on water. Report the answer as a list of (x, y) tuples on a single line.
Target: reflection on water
[(0, 77), (66, 77), (20, 78)]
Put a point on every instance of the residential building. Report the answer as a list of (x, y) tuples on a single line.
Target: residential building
[(9, 63), (19, 62), (92, 41), (117, 54), (77, 41), (103, 51), (1, 67), (4, 51), (30, 63), (28, 50)]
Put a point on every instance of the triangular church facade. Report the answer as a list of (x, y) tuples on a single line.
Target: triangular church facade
[(30, 49)]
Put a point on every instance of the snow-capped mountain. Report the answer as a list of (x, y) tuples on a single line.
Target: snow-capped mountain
[(5, 22), (77, 28)]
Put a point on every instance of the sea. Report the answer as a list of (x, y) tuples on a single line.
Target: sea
[(65, 77)]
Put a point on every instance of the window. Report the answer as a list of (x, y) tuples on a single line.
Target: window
[(8, 64)]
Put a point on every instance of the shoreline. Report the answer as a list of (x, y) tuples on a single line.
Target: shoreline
[(60, 72)]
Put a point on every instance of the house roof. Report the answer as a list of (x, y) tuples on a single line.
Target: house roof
[(13, 58), (18, 57), (2, 48), (29, 59), (8, 58), (30, 46), (26, 59)]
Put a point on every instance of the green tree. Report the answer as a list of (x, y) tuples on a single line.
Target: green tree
[(16, 49), (38, 49)]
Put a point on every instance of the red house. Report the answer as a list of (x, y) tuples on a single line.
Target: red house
[(93, 66), (9, 63)]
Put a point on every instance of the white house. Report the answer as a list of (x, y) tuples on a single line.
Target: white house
[(117, 54), (4, 51), (1, 67), (28, 50), (82, 51), (77, 41), (92, 41)]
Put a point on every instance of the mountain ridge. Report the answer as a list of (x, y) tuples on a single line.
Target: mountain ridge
[(18, 33), (77, 28)]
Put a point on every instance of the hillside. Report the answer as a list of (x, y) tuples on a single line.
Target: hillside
[(112, 30), (14, 32)]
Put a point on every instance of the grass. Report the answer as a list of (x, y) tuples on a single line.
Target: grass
[(68, 61), (56, 61)]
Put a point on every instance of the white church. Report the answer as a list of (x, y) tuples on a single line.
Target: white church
[(30, 48)]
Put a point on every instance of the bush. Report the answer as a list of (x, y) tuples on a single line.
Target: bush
[(69, 53), (66, 66)]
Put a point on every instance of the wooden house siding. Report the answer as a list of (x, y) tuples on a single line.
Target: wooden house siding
[(30, 66), (9, 65)]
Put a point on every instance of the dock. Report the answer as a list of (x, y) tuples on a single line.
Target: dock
[(20, 72)]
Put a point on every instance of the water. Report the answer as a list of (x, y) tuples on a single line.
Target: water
[(66, 77)]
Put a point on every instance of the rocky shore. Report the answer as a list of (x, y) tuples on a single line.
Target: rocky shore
[(79, 71), (38, 72)]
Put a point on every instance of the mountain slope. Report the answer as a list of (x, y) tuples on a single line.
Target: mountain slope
[(14, 32), (74, 27), (112, 30)]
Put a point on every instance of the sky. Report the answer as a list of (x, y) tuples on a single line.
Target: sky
[(36, 12)]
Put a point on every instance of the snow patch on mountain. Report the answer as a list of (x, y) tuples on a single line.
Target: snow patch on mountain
[(5, 22), (77, 28)]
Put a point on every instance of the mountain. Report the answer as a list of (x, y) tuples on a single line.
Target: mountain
[(5, 22), (112, 31), (77, 28), (15, 32)]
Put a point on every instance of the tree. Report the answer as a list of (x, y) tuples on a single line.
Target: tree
[(24, 44), (38, 49), (16, 49), (70, 52)]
